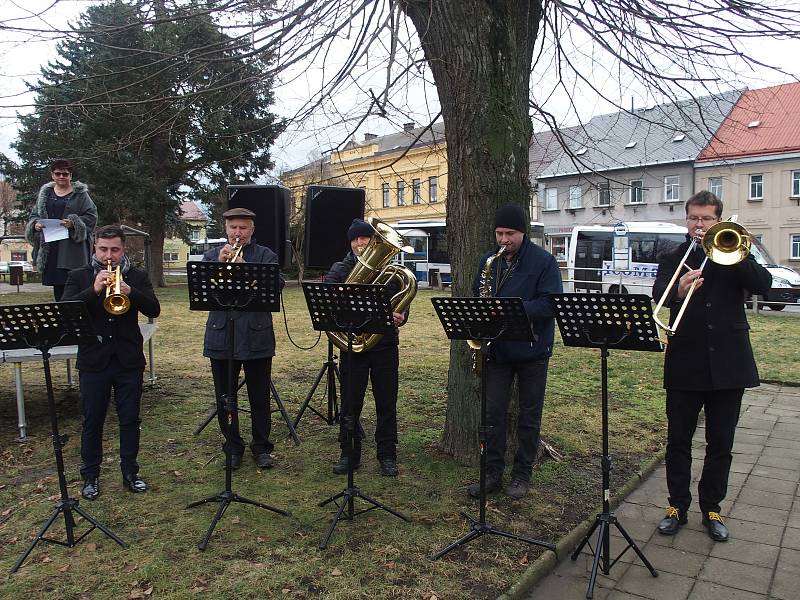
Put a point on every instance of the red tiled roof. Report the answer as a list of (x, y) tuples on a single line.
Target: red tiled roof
[(191, 212), (777, 109)]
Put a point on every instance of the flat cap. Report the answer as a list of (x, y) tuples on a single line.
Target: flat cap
[(241, 213)]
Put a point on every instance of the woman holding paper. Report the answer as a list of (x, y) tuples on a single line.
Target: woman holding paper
[(67, 214)]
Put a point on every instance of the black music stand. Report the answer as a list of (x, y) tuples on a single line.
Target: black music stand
[(251, 287), (351, 308), (622, 322), (330, 368), (485, 319), (43, 326)]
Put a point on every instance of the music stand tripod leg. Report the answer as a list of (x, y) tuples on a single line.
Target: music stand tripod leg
[(284, 414)]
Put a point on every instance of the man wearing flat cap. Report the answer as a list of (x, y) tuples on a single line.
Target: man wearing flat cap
[(255, 345), (524, 271), (380, 364)]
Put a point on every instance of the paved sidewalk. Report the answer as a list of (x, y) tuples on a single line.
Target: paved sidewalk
[(762, 511)]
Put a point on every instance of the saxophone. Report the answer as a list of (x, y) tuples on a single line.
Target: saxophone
[(484, 291)]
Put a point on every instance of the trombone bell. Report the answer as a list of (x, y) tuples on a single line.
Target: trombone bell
[(726, 243)]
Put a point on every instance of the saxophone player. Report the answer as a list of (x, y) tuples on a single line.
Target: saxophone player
[(380, 364), (526, 271)]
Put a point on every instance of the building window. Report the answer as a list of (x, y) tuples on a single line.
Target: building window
[(604, 194), (795, 184), (194, 235), (170, 256), (672, 188), (551, 199), (18, 255), (401, 193), (715, 186), (757, 187), (575, 196), (558, 248), (636, 191), (416, 191), (795, 247), (386, 200), (433, 189)]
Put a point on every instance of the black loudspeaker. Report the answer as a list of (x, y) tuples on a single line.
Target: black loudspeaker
[(329, 212), (272, 205)]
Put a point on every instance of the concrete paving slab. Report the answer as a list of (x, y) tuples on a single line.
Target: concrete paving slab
[(765, 499), (791, 538), (767, 484), (639, 581), (705, 590), (752, 553), (740, 576)]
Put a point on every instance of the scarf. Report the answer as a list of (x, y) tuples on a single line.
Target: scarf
[(124, 264)]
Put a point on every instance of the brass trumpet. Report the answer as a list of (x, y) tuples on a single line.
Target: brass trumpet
[(115, 302), (237, 251)]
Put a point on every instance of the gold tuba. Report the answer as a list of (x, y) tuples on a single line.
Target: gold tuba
[(373, 267), (115, 302)]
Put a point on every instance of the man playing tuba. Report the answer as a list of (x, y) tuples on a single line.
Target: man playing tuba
[(380, 364)]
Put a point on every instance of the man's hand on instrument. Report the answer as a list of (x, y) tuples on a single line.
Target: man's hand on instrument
[(226, 253), (399, 318), (685, 282), (124, 288), (101, 280)]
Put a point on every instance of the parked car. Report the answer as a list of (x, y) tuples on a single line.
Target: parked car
[(3, 266)]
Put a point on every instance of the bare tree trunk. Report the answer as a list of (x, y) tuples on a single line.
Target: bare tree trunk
[(480, 54)]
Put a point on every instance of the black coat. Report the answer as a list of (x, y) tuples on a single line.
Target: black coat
[(711, 348), (117, 335), (254, 336), (534, 278), (338, 274)]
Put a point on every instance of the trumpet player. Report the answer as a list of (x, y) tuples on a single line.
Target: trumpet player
[(114, 359), (255, 345), (708, 363)]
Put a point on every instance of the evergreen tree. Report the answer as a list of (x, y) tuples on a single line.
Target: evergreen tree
[(150, 106)]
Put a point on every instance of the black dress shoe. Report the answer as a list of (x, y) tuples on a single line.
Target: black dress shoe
[(518, 488), (236, 461), (264, 460), (341, 467), (389, 467), (494, 483), (133, 483), (91, 488), (715, 527), (670, 524)]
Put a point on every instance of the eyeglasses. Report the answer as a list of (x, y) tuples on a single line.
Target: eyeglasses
[(61, 174), (699, 219)]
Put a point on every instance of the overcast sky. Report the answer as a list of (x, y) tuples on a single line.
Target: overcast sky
[(21, 55)]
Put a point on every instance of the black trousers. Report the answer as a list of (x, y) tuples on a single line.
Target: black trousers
[(381, 368), (532, 380), (95, 395), (257, 373), (722, 414)]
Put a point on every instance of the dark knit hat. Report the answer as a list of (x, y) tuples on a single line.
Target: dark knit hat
[(359, 228), (511, 216), (239, 213)]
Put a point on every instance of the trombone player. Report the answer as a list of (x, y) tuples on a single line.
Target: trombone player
[(114, 359), (708, 361)]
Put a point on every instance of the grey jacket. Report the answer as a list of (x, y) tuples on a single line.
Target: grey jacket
[(254, 336), (73, 252)]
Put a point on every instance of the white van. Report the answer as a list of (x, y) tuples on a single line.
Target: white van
[(623, 259)]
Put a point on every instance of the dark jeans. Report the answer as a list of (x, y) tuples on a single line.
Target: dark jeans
[(96, 395), (258, 373), (531, 380), (722, 414), (381, 367)]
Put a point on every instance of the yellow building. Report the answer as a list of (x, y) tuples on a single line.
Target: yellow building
[(176, 251), (404, 176)]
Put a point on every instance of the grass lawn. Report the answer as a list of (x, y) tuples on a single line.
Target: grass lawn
[(258, 554)]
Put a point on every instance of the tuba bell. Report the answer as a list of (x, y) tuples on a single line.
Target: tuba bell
[(373, 267)]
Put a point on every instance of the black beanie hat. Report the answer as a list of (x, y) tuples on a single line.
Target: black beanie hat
[(359, 228), (511, 216)]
